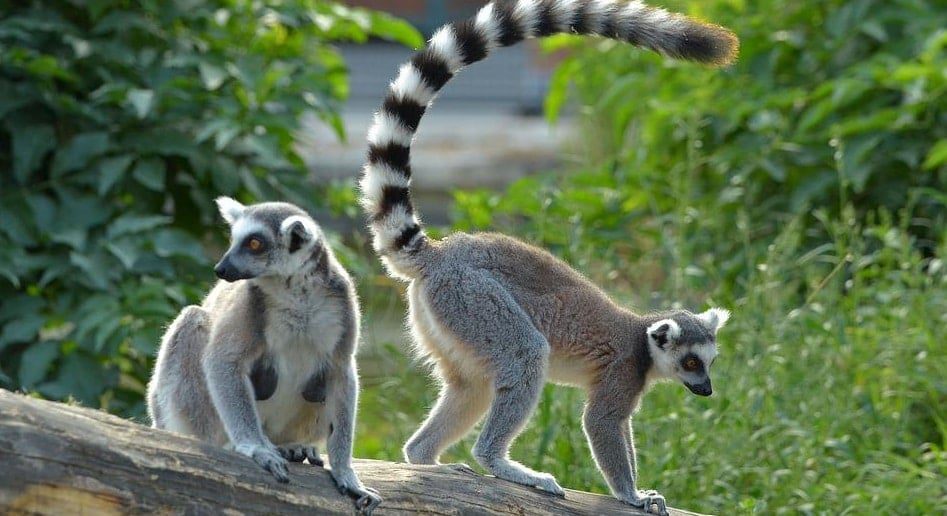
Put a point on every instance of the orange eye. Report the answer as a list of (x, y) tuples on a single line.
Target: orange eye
[(254, 244), (691, 364)]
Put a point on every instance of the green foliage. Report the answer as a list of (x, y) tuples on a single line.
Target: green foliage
[(119, 123)]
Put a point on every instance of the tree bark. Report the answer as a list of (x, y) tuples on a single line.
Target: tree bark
[(62, 459)]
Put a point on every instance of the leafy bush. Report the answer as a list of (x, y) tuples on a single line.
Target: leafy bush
[(119, 123)]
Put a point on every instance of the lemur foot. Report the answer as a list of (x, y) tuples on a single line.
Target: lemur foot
[(645, 500), (268, 458), (299, 453), (460, 467), (547, 482), (517, 473), (366, 498)]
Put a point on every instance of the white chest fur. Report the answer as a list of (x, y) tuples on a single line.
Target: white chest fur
[(300, 338)]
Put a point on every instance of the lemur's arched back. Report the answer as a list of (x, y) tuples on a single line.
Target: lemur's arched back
[(498, 317), (387, 175)]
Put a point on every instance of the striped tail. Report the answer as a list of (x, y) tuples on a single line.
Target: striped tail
[(387, 175)]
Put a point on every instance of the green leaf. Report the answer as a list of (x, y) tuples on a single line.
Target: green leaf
[(35, 362), (134, 223), (13, 98), (73, 237), (150, 173), (30, 146), (211, 75), (937, 155), (225, 136), (213, 127), (857, 159), (77, 153), (44, 211), (224, 174), (15, 215), (19, 306), (48, 67), (388, 27), (161, 140), (82, 377), (81, 211), (141, 100), (174, 242), (126, 251), (7, 271), (94, 271), (559, 89), (23, 329), (111, 170)]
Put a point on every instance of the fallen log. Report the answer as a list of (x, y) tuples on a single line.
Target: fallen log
[(62, 459)]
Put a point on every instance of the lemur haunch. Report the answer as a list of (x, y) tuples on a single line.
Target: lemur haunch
[(267, 365), (499, 317)]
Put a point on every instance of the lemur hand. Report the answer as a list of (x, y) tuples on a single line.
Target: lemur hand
[(268, 458)]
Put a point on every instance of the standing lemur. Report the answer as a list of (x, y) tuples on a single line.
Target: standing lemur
[(499, 317), (266, 364)]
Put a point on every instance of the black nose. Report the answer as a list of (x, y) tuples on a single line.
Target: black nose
[(701, 389), (225, 271)]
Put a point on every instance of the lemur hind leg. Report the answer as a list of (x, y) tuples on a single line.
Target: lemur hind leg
[(485, 317), (177, 393), (463, 400), (458, 409)]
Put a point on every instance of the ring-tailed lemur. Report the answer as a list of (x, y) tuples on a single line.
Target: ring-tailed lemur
[(266, 364), (499, 317)]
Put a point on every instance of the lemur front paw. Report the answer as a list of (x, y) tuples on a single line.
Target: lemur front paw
[(366, 498), (299, 453), (268, 458), (645, 500)]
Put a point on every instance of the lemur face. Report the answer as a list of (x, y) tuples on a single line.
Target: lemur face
[(267, 239), (684, 346)]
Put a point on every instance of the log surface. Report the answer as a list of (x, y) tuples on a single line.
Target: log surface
[(63, 459)]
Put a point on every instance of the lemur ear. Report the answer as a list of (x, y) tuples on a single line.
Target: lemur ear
[(663, 332), (714, 318), (230, 209), (297, 231)]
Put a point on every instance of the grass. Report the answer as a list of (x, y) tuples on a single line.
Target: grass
[(831, 389)]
